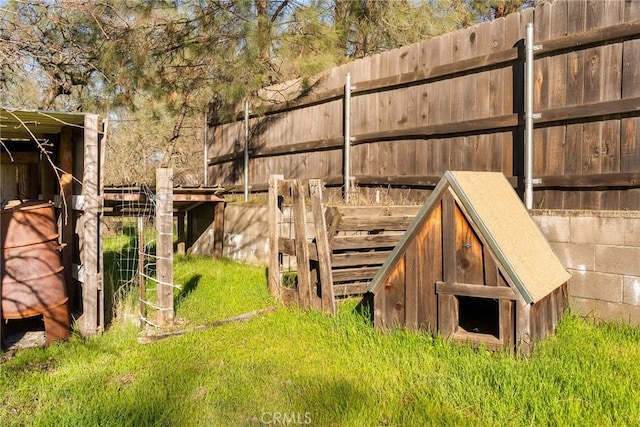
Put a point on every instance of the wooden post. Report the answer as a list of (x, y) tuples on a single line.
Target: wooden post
[(302, 248), (524, 342), (66, 184), (164, 249), (181, 241), (218, 229), (322, 247), (447, 313), (90, 253), (141, 279), (275, 218)]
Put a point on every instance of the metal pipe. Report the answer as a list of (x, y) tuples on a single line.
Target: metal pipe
[(347, 137), (205, 175), (529, 116), (141, 291), (246, 150)]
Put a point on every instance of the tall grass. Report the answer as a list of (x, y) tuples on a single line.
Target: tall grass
[(297, 367)]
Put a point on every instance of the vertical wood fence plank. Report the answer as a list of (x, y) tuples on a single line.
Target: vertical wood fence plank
[(275, 218), (90, 252), (447, 310), (430, 270), (411, 286)]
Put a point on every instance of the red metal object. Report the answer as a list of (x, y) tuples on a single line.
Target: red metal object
[(31, 271)]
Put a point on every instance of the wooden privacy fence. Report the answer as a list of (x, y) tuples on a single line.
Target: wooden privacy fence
[(456, 102), (338, 254)]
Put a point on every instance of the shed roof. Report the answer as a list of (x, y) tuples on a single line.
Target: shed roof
[(25, 124), (494, 207)]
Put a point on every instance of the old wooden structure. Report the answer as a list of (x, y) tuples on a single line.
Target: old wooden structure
[(58, 157), (197, 210), (474, 267), (334, 250)]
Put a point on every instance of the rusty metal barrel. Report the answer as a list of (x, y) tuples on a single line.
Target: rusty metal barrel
[(32, 272)]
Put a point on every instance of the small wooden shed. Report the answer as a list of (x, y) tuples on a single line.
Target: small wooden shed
[(58, 157), (474, 267)]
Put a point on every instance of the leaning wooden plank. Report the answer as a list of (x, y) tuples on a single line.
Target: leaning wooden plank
[(239, 318), (302, 249), (322, 247)]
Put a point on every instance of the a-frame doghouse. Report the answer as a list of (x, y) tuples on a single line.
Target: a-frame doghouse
[(474, 267)]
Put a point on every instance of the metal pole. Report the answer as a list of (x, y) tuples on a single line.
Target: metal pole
[(529, 116), (141, 292), (347, 137), (205, 176), (246, 150)]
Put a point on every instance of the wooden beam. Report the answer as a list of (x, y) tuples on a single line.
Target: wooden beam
[(379, 223), (92, 292), (350, 259), (447, 304), (302, 147), (369, 241), (322, 247), (593, 181), (349, 274), (477, 291), (586, 39), (524, 339), (164, 249), (275, 218), (500, 123), (305, 289), (586, 112)]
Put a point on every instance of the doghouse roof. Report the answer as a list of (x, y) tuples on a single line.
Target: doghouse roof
[(26, 124), (490, 202)]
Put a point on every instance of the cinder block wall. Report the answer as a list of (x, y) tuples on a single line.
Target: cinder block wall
[(601, 249), (246, 233)]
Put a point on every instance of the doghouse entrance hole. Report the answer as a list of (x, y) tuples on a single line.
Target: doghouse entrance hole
[(479, 315)]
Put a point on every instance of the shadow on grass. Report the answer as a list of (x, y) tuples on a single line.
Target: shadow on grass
[(365, 308), (190, 286)]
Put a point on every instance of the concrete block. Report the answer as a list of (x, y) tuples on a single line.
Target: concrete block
[(554, 228), (617, 259), (600, 286), (632, 232), (605, 311), (597, 230), (575, 256), (631, 290)]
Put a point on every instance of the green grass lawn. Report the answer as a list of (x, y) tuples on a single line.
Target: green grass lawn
[(295, 367)]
